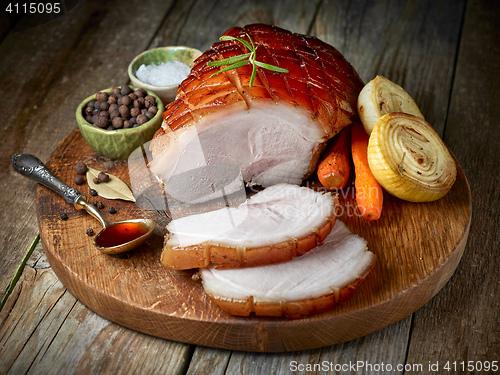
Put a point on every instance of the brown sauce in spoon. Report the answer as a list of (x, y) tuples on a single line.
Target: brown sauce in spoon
[(120, 234)]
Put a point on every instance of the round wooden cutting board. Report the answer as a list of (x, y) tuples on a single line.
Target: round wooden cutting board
[(418, 246)]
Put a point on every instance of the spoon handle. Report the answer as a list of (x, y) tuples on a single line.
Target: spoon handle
[(31, 167)]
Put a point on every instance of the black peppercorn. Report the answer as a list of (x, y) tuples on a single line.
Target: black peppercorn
[(101, 122), (104, 106), (127, 124), (149, 115), (126, 100), (103, 177), (140, 92), (149, 100), (89, 232), (93, 192), (139, 102), (102, 96), (117, 123), (89, 110), (112, 99), (79, 179), (141, 119), (116, 91), (134, 112), (114, 113), (96, 180), (81, 167), (125, 90), (111, 210), (124, 111), (153, 109), (63, 216)]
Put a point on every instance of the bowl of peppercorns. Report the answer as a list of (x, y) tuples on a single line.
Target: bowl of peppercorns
[(116, 121)]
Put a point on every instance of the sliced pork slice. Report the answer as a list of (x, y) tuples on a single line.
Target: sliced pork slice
[(220, 130), (313, 283), (275, 225)]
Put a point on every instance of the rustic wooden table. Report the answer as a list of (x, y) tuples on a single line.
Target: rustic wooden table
[(444, 53)]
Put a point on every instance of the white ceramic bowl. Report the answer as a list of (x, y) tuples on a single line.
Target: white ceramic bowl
[(157, 56)]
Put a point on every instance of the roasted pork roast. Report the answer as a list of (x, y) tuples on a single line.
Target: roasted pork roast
[(220, 133)]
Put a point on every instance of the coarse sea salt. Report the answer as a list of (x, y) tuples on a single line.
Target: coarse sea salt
[(163, 74)]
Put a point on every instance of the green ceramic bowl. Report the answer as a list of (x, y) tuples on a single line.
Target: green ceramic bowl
[(157, 56), (118, 144)]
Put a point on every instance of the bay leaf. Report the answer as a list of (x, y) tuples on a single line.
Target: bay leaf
[(113, 189)]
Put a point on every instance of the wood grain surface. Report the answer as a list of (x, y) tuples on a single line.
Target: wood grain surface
[(418, 247), (445, 54)]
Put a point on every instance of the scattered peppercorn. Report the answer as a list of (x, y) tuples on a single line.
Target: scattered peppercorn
[(79, 179), (96, 180), (112, 210), (90, 232), (99, 205), (93, 192), (103, 177), (63, 216), (81, 167)]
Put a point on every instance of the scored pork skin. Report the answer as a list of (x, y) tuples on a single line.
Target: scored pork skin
[(278, 125)]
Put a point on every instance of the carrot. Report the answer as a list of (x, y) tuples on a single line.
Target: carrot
[(369, 195), (333, 169)]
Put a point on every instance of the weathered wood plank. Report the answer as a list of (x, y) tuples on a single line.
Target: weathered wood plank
[(198, 25), (413, 43), (45, 72), (464, 318), (44, 329)]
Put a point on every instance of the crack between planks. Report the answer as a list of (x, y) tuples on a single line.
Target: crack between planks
[(56, 333), (409, 341), (454, 69), (314, 17), (19, 271)]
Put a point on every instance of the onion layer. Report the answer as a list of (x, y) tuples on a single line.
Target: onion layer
[(381, 96), (408, 158)]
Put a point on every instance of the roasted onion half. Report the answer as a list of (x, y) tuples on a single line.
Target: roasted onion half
[(409, 159)]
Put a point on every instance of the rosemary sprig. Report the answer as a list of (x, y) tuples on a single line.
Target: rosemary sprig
[(238, 61)]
